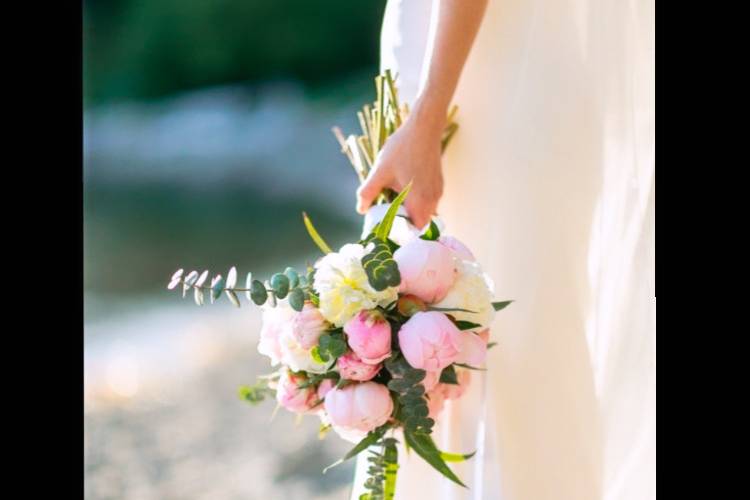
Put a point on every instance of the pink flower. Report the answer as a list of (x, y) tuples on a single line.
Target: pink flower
[(351, 367), (430, 341), (427, 268), (473, 349), (431, 380), (461, 250), (455, 391), (290, 396), (369, 335), (325, 387), (308, 325), (277, 323), (362, 407), (435, 403)]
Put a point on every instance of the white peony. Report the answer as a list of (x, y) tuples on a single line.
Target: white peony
[(343, 288), (473, 291)]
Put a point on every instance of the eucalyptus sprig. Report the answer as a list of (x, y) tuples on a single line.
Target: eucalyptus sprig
[(289, 284)]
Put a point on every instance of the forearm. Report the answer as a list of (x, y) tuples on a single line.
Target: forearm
[(454, 26)]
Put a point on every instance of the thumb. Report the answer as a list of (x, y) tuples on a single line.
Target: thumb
[(373, 185)]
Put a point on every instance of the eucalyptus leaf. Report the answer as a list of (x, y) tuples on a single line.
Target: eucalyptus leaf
[(258, 293), (248, 286), (202, 278), (233, 297), (217, 286), (280, 285), (448, 375), (297, 299), (293, 277), (190, 279), (231, 277), (199, 296)]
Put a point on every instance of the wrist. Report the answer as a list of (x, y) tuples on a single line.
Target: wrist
[(429, 114)]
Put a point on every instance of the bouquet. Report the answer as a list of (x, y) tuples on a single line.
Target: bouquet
[(374, 337)]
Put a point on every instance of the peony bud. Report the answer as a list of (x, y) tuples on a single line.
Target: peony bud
[(369, 336)]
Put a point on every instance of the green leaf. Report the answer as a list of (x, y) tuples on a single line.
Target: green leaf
[(217, 286), (320, 358), (455, 457), (314, 234), (501, 305), (233, 297), (232, 277), (369, 440), (466, 325), (384, 229), (432, 233), (490, 345), (248, 286), (297, 299), (382, 271), (190, 280), (280, 285), (425, 448), (448, 375), (258, 293), (293, 277)]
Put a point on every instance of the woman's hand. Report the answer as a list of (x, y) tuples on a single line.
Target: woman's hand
[(412, 153)]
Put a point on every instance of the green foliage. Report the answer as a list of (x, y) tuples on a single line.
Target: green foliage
[(372, 437), (501, 305), (297, 299), (258, 293), (280, 285), (135, 49), (412, 407), (314, 235), (384, 228), (425, 447), (466, 325), (448, 375), (256, 393), (331, 345), (382, 271), (432, 233), (382, 471)]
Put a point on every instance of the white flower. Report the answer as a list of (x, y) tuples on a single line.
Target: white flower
[(473, 291), (343, 288)]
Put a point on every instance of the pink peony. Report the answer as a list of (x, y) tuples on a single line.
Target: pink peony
[(290, 396), (430, 341), (435, 403), (431, 380), (473, 349), (360, 407), (369, 336), (351, 367), (325, 387), (308, 325), (461, 250), (455, 391), (277, 323), (428, 269)]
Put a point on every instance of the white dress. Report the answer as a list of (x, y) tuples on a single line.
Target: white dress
[(550, 181)]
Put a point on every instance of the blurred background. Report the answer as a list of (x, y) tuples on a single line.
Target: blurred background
[(206, 133)]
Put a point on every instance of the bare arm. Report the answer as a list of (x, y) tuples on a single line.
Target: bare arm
[(413, 152)]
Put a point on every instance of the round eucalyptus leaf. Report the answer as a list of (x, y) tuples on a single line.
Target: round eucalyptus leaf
[(280, 285), (297, 299), (258, 293), (290, 273)]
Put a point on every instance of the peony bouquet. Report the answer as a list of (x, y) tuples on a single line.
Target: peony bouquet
[(374, 337)]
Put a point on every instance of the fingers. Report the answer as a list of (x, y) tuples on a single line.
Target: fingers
[(373, 185), (420, 211)]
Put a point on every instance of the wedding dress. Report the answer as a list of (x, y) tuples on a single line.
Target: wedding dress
[(550, 181)]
